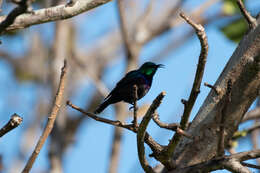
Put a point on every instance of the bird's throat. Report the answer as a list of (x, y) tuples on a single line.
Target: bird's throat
[(148, 72)]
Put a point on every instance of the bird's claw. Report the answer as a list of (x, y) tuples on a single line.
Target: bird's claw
[(131, 107)]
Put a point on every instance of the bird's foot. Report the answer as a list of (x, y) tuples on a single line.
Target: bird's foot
[(132, 107)]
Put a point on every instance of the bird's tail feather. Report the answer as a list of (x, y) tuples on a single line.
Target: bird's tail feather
[(102, 107)]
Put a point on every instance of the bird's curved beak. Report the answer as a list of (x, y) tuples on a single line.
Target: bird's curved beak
[(160, 66)]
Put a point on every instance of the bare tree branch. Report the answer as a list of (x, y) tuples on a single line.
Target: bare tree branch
[(250, 165), (224, 162), (172, 126), (188, 105), (217, 90), (200, 31), (58, 12), (100, 119), (148, 139), (250, 19), (239, 69), (22, 8), (142, 129), (14, 122), (235, 166), (51, 120)]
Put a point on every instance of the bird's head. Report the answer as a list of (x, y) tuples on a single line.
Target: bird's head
[(149, 68)]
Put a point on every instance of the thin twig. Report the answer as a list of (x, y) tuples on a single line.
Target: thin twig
[(227, 100), (148, 139), (142, 129), (135, 108), (184, 133), (14, 122), (215, 89), (252, 23), (51, 120), (250, 165), (22, 8), (155, 147), (200, 31), (100, 119), (172, 126)]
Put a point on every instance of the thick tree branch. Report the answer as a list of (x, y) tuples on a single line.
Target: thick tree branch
[(14, 122), (142, 130), (59, 12), (22, 8), (51, 120), (244, 71)]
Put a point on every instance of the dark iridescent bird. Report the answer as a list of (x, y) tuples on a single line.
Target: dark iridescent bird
[(124, 89)]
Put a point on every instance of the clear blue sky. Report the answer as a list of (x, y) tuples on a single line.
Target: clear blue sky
[(91, 151)]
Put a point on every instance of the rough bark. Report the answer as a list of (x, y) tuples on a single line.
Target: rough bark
[(243, 69)]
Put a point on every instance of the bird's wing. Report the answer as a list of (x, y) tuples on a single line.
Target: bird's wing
[(128, 78), (125, 80), (131, 78)]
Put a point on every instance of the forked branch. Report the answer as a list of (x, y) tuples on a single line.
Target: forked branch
[(188, 105), (142, 130)]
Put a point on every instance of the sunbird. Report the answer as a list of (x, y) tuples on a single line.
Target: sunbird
[(124, 90)]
